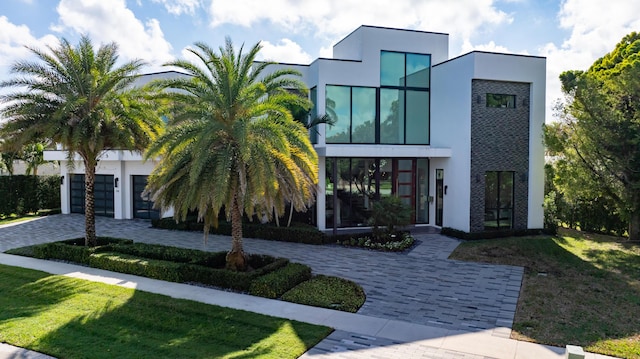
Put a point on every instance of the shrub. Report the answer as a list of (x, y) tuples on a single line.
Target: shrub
[(297, 233), (124, 263), (456, 233), (48, 192), (328, 292), (276, 283), (396, 243), (389, 212)]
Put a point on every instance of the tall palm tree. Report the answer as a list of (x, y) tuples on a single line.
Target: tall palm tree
[(232, 144), (78, 97)]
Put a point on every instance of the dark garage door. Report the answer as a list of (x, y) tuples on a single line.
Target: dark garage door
[(103, 194), (142, 205)]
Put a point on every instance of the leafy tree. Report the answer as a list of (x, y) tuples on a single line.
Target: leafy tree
[(33, 155), (232, 145), (78, 97), (598, 138)]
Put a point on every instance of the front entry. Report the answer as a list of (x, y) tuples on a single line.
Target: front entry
[(103, 193), (439, 196)]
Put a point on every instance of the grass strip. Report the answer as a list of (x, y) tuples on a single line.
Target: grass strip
[(72, 318)]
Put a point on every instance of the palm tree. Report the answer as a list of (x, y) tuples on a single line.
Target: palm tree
[(78, 97), (232, 144)]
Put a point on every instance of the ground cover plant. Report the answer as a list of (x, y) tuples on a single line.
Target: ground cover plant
[(328, 292), (72, 318), (578, 288)]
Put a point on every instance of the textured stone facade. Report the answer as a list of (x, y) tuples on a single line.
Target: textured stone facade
[(499, 142)]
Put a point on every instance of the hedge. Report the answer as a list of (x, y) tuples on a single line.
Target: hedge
[(158, 261), (297, 233), (278, 282), (27, 194), (447, 231)]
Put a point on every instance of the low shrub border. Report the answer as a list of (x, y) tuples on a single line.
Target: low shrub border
[(297, 233), (328, 292), (455, 233), (365, 240), (157, 261), (275, 284)]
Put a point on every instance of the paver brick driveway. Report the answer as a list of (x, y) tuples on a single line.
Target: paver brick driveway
[(421, 286)]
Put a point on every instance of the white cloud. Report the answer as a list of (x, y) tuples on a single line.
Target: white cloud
[(594, 32), (285, 51), (178, 7), (335, 18), (112, 21), (14, 39), (491, 46)]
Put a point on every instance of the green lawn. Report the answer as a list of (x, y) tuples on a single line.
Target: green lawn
[(14, 218), (578, 288), (72, 318)]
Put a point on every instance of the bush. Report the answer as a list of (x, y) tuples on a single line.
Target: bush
[(276, 283), (156, 261), (297, 233), (125, 263), (328, 292), (456, 233), (48, 192)]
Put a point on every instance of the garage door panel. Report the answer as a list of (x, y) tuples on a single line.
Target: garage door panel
[(103, 195)]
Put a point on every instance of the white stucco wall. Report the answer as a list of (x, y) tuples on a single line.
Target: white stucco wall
[(451, 127)]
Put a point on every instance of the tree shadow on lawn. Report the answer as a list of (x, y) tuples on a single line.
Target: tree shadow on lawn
[(102, 321), (565, 299)]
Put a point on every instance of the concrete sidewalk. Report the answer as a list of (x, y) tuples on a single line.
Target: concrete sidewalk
[(356, 335)]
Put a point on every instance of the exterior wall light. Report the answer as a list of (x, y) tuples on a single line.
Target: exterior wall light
[(61, 180), (115, 182)]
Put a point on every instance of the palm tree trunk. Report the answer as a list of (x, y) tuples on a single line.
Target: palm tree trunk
[(290, 215), (90, 239), (236, 258)]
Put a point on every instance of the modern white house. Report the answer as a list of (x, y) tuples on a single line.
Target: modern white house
[(459, 140)]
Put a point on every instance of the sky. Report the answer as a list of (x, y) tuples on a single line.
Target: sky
[(571, 34)]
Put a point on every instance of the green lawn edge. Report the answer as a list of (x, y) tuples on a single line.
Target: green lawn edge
[(72, 318)]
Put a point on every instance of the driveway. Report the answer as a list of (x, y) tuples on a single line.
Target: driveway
[(421, 286)]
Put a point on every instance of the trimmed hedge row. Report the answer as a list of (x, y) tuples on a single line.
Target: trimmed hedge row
[(494, 234), (275, 284), (27, 194), (173, 264), (297, 234)]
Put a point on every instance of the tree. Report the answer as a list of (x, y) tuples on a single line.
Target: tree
[(78, 97), (232, 144), (33, 156), (599, 133)]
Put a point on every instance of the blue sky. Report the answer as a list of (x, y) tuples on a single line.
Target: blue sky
[(570, 33)]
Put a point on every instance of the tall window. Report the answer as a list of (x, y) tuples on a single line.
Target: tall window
[(404, 98), (498, 200), (354, 111)]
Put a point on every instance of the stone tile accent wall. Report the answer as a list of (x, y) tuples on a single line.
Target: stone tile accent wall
[(499, 142)]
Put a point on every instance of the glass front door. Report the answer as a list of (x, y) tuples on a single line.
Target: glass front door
[(439, 196)]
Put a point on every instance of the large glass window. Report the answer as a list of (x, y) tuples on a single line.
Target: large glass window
[(391, 116), (354, 184), (418, 70), (498, 202), (354, 111), (338, 100), (392, 68), (313, 94), (404, 98), (417, 117)]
